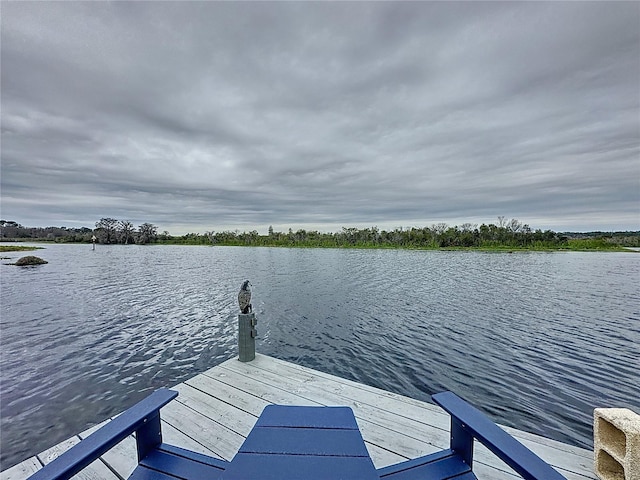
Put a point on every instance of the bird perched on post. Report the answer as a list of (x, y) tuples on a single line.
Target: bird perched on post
[(244, 297)]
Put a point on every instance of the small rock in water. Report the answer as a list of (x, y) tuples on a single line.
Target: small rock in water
[(30, 260)]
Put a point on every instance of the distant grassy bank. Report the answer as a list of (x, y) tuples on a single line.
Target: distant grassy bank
[(576, 245), (599, 244), (17, 248), (570, 245)]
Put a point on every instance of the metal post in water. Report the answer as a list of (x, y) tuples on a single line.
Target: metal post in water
[(246, 325)]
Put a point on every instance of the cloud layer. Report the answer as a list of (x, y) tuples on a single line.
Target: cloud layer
[(202, 116)]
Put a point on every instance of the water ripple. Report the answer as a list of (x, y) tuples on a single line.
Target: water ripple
[(536, 340)]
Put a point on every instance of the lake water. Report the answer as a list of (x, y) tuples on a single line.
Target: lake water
[(536, 340)]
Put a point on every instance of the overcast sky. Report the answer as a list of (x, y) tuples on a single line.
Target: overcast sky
[(208, 116)]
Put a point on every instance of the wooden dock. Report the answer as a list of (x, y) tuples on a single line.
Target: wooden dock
[(216, 410)]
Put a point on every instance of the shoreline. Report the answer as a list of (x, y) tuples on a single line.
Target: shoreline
[(488, 249)]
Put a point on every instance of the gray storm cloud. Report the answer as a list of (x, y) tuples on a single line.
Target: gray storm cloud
[(209, 115)]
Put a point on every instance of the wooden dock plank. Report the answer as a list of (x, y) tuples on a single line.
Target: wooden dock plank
[(571, 460), (221, 440), (95, 471), (253, 402), (372, 433), (216, 410), (439, 418), (565, 457), (383, 436), (122, 457), (379, 436), (173, 436), (412, 437), (22, 470), (234, 419)]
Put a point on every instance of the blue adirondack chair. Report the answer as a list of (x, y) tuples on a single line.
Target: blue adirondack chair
[(288, 442)]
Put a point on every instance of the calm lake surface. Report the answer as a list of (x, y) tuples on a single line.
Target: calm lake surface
[(536, 340)]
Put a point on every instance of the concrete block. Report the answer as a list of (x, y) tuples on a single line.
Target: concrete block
[(616, 443)]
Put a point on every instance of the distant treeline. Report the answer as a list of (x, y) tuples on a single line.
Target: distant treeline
[(510, 234), (107, 231), (13, 231)]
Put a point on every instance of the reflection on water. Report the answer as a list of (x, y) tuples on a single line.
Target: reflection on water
[(537, 340)]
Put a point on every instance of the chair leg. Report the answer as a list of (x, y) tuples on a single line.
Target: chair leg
[(149, 436), (461, 441)]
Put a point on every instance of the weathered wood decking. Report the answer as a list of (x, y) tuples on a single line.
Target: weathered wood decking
[(216, 410)]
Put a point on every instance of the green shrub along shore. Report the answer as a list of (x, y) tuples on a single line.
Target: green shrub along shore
[(505, 235)]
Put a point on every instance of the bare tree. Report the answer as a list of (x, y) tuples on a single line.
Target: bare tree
[(106, 230), (439, 228), (126, 232), (514, 225), (147, 233)]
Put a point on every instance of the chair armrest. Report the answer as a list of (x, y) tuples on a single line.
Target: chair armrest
[(476, 424), (112, 433)]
